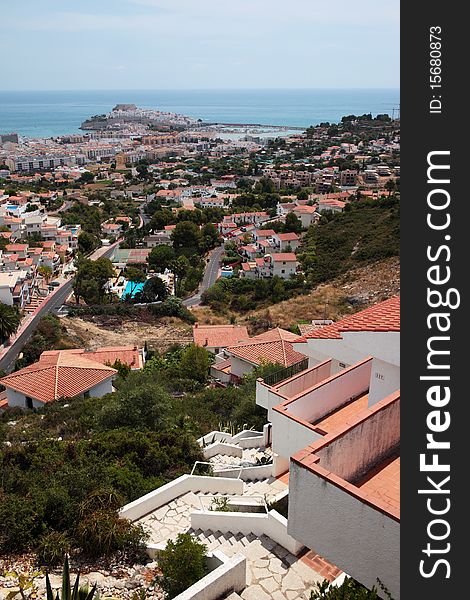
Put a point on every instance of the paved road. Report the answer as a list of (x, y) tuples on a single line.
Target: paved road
[(54, 301), (210, 277)]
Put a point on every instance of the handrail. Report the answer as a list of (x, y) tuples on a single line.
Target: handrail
[(286, 372)]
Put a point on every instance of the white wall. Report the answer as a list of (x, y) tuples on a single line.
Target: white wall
[(228, 577), (385, 379), (184, 484), (290, 435), (240, 367), (105, 387), (6, 296), (304, 380), (273, 525), (18, 399), (359, 539), (331, 393), (355, 346)]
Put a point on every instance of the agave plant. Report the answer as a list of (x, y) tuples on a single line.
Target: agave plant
[(68, 593)]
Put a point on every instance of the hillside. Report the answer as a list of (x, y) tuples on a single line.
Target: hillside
[(354, 290), (367, 231)]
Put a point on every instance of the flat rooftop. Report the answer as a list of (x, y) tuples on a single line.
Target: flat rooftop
[(383, 482), (343, 415)]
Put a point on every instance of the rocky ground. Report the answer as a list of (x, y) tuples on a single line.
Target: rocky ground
[(102, 331), (112, 580)]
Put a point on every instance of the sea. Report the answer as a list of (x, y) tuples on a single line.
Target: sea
[(49, 114)]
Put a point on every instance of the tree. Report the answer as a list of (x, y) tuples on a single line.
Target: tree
[(390, 186), (154, 290), (186, 235), (293, 223), (160, 258), (86, 177), (182, 563), (138, 406), (210, 237), (91, 279), (179, 267), (195, 363), (87, 242), (45, 272), (9, 320), (134, 277)]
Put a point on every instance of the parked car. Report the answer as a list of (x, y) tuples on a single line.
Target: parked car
[(55, 284)]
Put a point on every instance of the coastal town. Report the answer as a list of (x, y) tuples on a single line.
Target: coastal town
[(199, 329)]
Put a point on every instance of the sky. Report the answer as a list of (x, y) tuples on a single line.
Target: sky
[(199, 44)]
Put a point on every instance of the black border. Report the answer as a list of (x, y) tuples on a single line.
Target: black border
[(422, 132)]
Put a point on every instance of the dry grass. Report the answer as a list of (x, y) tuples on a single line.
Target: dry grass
[(159, 336), (367, 285)]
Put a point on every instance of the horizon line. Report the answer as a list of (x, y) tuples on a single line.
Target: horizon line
[(222, 89)]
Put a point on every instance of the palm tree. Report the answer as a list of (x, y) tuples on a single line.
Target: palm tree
[(45, 272), (9, 320)]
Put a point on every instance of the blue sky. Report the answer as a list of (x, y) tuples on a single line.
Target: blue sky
[(199, 44)]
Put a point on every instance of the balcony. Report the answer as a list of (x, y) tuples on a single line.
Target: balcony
[(313, 404), (286, 383), (344, 495)]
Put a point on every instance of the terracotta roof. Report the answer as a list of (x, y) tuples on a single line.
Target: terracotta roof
[(60, 375), (286, 237), (16, 247), (273, 346), (305, 209), (284, 256), (265, 232), (384, 316), (129, 355), (219, 336)]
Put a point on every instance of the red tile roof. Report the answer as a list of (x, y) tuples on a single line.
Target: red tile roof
[(286, 237), (265, 232), (129, 355), (219, 336), (60, 375), (272, 346), (384, 316), (284, 256)]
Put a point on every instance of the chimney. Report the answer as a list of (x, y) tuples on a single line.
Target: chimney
[(196, 325)]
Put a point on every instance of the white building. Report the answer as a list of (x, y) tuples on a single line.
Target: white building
[(57, 375), (335, 427)]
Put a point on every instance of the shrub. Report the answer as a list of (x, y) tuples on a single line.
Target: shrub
[(52, 547), (103, 532), (182, 563), (350, 589)]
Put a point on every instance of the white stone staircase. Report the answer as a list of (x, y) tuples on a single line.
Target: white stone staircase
[(272, 572)]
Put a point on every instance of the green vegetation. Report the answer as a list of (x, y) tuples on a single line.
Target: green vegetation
[(98, 454), (369, 230), (87, 242), (9, 320), (348, 590), (91, 278), (182, 562), (243, 295), (48, 335)]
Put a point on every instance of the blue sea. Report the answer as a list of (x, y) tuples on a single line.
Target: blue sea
[(47, 114)]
